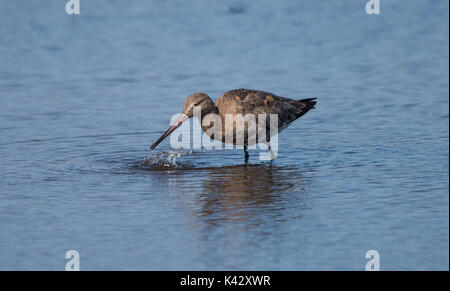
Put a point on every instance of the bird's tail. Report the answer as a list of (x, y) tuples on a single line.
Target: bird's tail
[(305, 105)]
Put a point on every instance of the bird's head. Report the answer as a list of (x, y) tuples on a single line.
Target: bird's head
[(196, 100)]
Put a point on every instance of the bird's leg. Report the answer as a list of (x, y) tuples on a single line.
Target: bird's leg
[(246, 154), (272, 156)]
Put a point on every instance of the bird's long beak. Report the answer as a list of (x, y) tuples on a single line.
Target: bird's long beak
[(180, 120)]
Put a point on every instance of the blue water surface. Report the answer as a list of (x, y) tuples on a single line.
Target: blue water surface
[(82, 97)]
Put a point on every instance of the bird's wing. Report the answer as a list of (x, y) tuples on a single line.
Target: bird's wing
[(260, 102), (246, 101)]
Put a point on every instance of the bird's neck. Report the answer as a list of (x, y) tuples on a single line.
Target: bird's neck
[(212, 110)]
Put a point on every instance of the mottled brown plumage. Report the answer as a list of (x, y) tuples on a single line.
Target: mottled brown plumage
[(244, 101)]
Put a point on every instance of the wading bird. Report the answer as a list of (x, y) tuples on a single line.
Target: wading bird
[(241, 102)]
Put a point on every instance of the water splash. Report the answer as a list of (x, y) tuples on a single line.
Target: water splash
[(163, 160)]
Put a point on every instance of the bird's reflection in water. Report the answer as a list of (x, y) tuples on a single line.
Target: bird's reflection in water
[(249, 193)]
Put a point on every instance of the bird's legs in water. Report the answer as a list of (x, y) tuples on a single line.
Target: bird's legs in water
[(272, 156), (246, 154)]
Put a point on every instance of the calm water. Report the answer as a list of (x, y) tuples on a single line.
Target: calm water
[(83, 97)]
